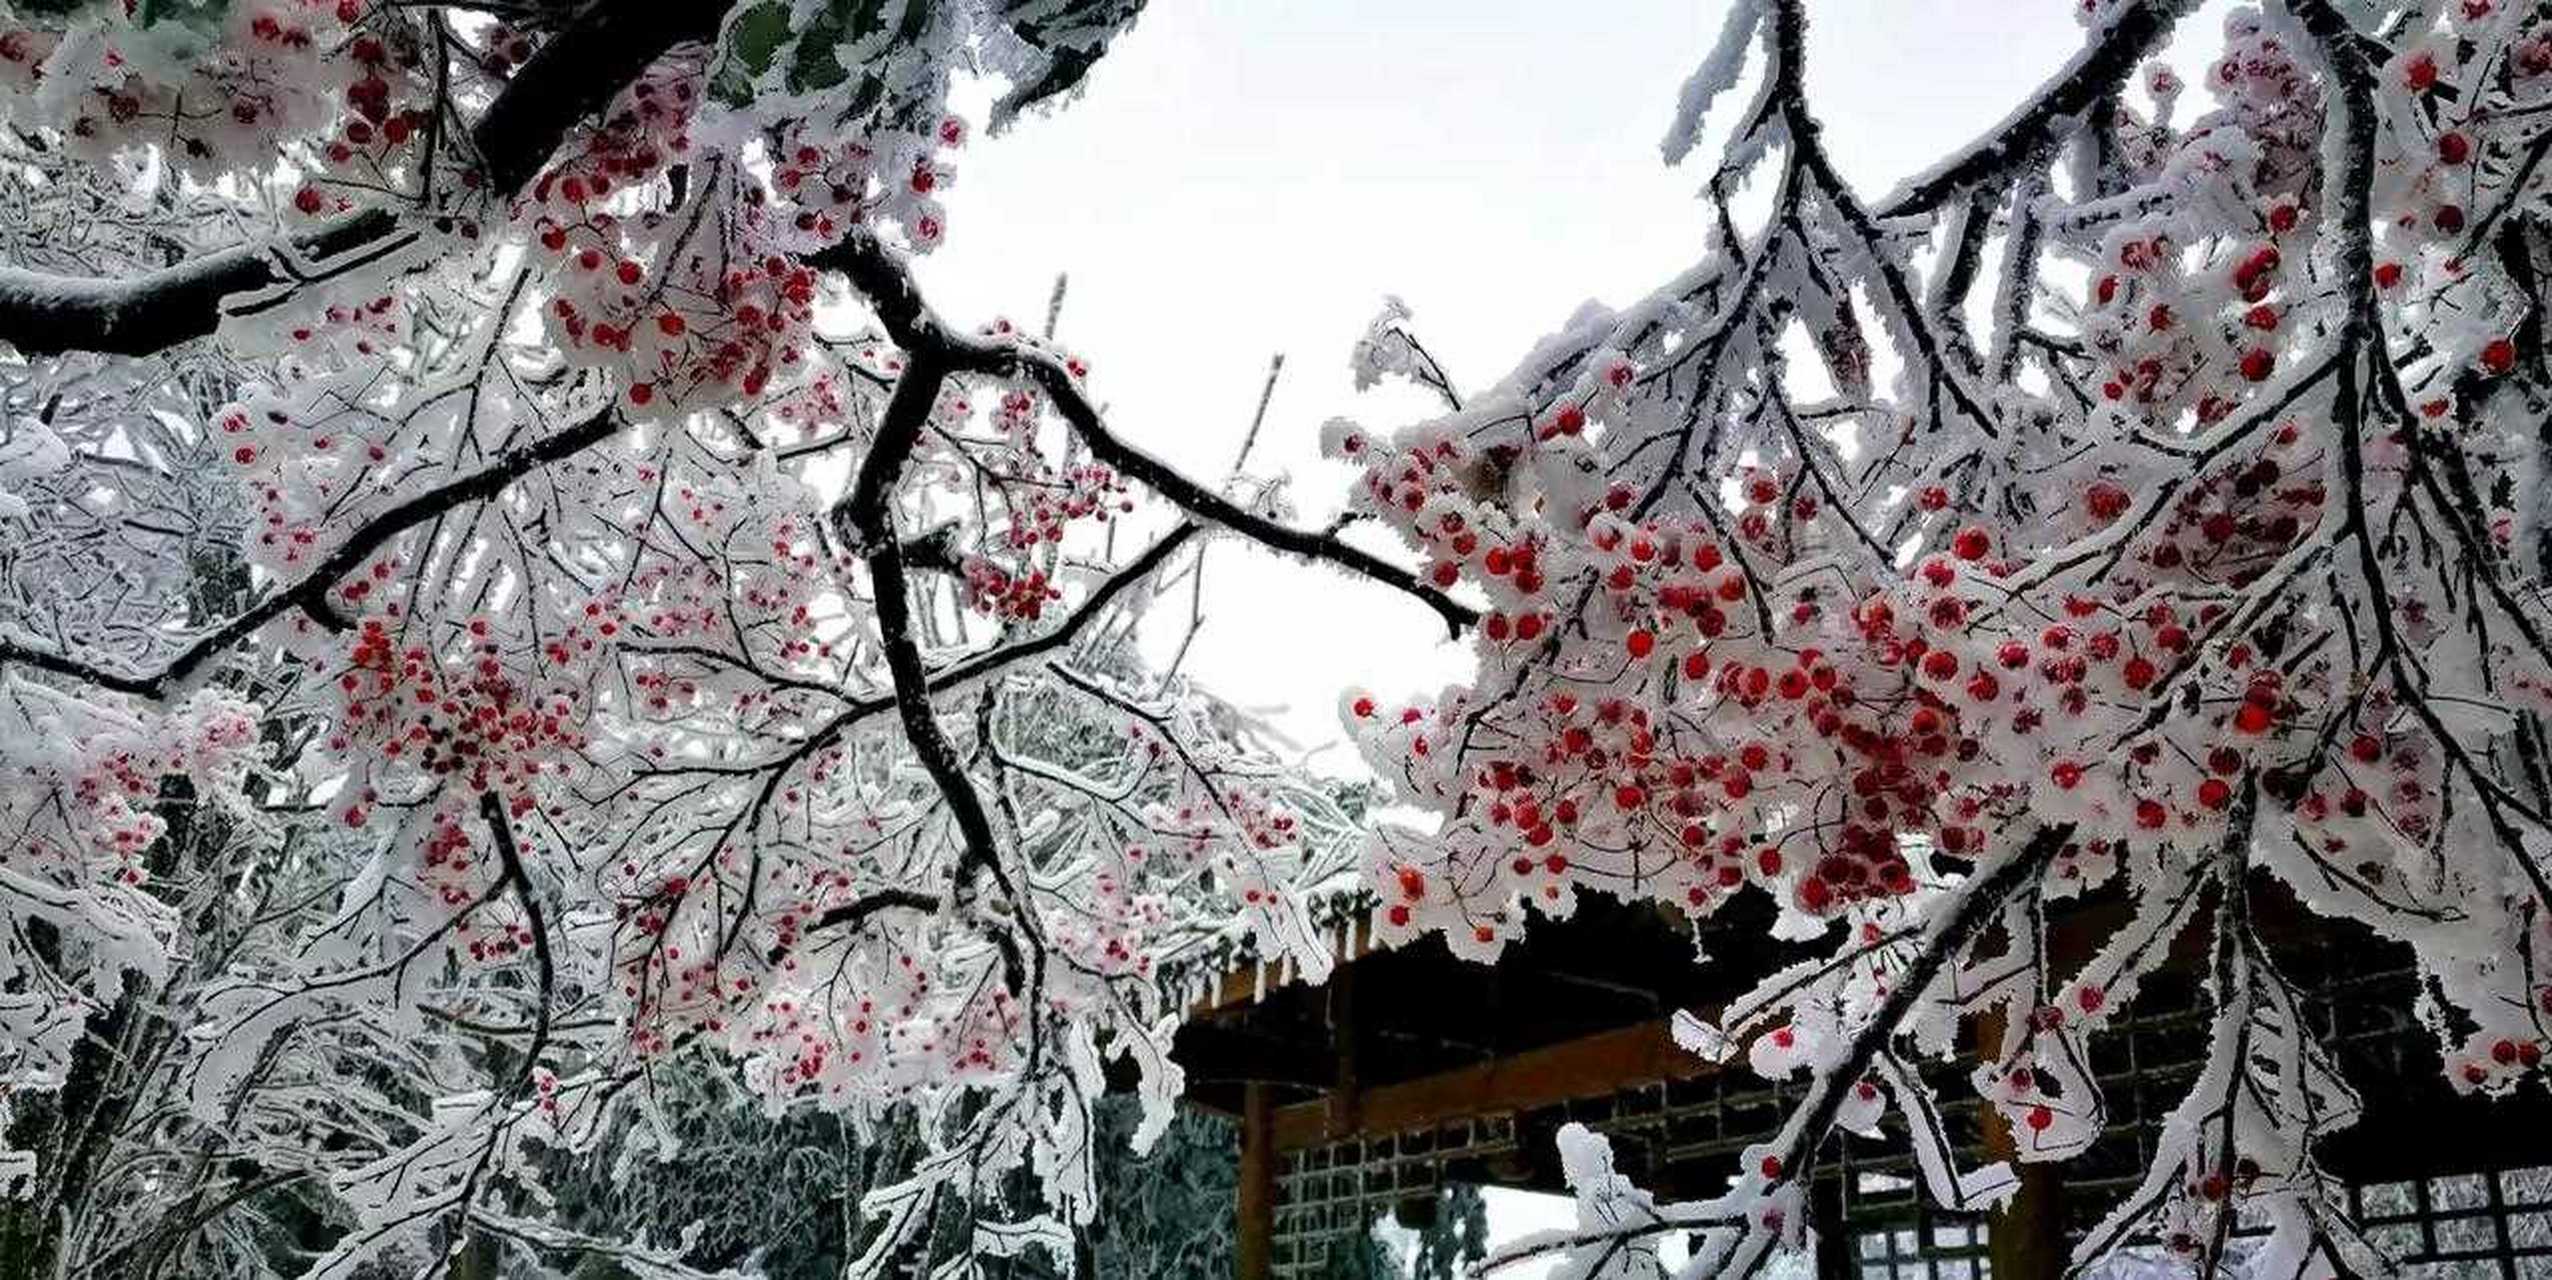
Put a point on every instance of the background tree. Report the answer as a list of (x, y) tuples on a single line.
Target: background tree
[(677, 681)]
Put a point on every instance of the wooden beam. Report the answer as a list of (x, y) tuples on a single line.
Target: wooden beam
[(1595, 1065), (1233, 1052), (1242, 986), (1255, 1251)]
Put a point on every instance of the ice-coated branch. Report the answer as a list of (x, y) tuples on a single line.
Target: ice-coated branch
[(568, 80), (2223, 494), (310, 592), (873, 270), (2131, 32), (866, 511), (1951, 929)]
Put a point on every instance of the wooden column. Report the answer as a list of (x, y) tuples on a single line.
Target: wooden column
[(1346, 1036), (1255, 1240), (1827, 1214), (2027, 1236)]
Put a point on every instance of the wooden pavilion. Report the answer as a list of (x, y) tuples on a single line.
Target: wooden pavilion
[(1410, 1069)]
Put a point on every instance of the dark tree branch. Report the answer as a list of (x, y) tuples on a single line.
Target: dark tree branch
[(853, 914), (573, 75), (868, 511), (46, 314), (509, 857), (879, 276), (2095, 74)]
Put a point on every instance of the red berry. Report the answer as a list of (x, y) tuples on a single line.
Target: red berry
[(1971, 544), (2106, 501), (2257, 364), (2500, 356)]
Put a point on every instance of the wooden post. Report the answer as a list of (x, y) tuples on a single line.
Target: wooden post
[(1255, 1243), (1346, 1033), (1833, 1225), (2027, 1237)]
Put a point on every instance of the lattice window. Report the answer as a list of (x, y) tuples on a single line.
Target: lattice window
[(1924, 1248), (1329, 1197), (2471, 1226)]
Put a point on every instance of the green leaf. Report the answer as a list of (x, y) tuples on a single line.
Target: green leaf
[(816, 63), (203, 17), (752, 44), (839, 40)]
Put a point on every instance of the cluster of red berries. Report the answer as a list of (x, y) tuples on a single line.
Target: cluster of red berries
[(465, 715)]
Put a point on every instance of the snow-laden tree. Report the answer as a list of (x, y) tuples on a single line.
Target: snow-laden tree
[(512, 591), (2142, 501), (489, 466)]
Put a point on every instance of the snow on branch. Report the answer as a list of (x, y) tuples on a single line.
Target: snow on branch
[(2193, 556)]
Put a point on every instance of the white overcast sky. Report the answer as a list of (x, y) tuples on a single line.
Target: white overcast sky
[(1245, 177)]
